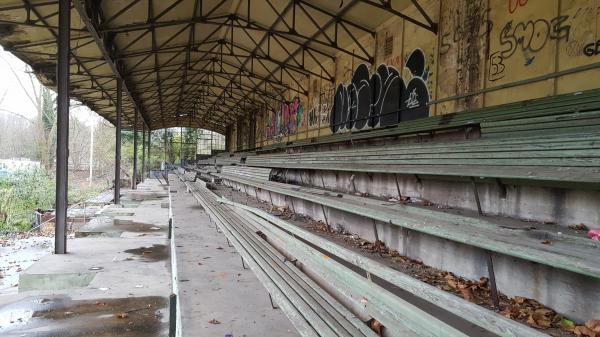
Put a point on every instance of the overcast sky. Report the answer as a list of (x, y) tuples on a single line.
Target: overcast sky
[(15, 98)]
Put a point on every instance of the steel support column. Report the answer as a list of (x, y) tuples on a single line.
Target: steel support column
[(149, 142), (62, 121), (135, 152), (143, 151), (180, 146), (118, 143)]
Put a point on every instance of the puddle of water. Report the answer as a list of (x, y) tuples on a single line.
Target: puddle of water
[(151, 254), (114, 214), (61, 316), (138, 227)]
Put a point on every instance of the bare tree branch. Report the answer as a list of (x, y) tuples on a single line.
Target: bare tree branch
[(18, 115), (35, 101)]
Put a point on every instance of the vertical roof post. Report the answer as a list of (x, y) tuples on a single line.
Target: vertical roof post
[(117, 197), (143, 152), (135, 152), (62, 121), (149, 162)]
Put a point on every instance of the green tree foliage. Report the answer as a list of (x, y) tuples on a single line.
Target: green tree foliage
[(21, 194)]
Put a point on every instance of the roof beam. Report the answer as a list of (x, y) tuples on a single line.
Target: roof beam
[(103, 45)]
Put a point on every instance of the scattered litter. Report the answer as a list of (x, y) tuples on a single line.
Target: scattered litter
[(103, 288), (214, 321), (139, 285), (96, 268), (567, 324), (121, 315), (594, 234), (376, 326), (547, 242), (154, 228), (580, 227)]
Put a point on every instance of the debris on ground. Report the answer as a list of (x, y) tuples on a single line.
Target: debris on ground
[(121, 315), (522, 309), (376, 326), (594, 234), (214, 321), (527, 311), (580, 227)]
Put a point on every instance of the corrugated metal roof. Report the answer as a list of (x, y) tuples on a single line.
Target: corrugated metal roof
[(193, 63)]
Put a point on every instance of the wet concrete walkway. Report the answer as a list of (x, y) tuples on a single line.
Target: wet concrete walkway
[(114, 281), (218, 297)]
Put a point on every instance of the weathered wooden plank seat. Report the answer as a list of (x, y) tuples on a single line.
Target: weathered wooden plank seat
[(286, 235), (202, 172), (312, 310), (227, 158), (206, 161), (547, 106), (553, 124), (575, 254), (246, 171), (316, 313), (572, 159)]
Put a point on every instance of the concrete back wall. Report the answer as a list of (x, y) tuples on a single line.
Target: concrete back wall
[(481, 48)]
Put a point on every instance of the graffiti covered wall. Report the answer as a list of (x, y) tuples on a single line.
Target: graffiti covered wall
[(486, 52), (382, 98), (284, 119)]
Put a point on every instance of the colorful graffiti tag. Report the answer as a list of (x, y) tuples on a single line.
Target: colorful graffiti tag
[(381, 99), (286, 120)]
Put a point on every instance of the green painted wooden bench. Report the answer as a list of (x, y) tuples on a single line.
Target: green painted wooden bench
[(248, 171), (575, 254), (551, 124), (570, 160), (311, 249), (311, 309), (314, 311), (547, 106)]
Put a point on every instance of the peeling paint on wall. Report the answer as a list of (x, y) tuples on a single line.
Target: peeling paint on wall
[(481, 44)]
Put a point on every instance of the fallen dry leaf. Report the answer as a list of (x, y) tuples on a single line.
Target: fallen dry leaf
[(466, 292), (547, 242), (584, 331), (580, 227), (593, 324), (121, 315), (214, 321), (451, 281), (376, 326)]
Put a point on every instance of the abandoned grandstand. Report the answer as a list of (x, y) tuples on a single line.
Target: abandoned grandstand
[(390, 168)]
